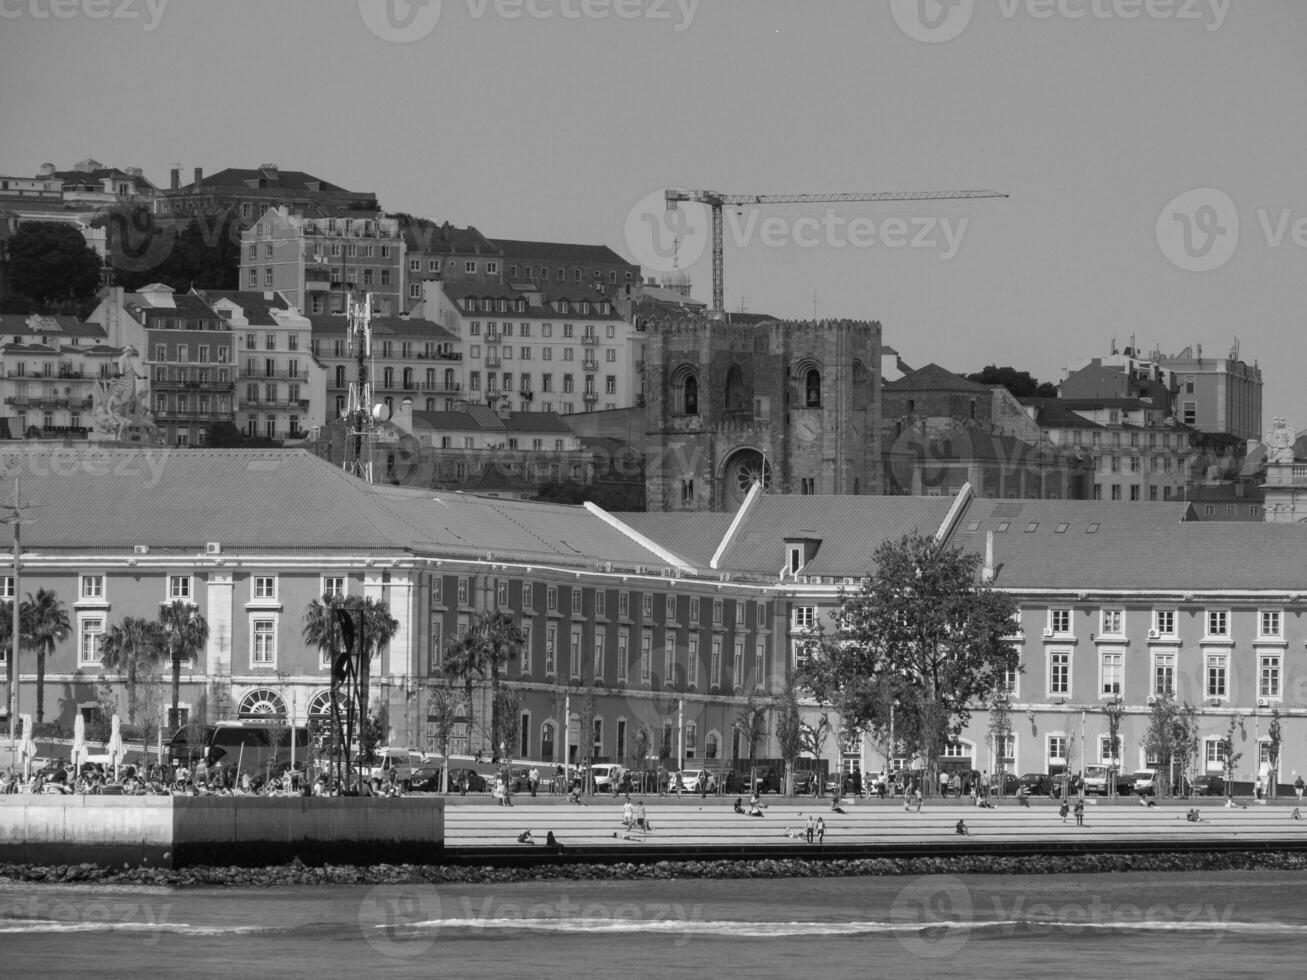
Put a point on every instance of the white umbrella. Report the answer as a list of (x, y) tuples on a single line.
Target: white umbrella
[(27, 747), (79, 742), (115, 743)]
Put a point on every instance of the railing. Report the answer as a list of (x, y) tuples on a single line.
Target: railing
[(589, 365), (255, 403), (492, 360), (246, 375), (439, 356), (590, 340), (172, 415)]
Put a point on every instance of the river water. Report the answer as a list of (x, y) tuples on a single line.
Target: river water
[(1195, 925)]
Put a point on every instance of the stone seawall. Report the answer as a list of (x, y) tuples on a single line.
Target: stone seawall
[(180, 831)]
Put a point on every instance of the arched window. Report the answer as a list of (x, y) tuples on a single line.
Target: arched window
[(691, 395), (261, 703), (340, 376), (684, 398), (712, 746), (408, 379), (737, 397), (812, 389), (691, 740)]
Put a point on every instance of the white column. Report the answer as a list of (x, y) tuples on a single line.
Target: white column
[(218, 652), (401, 607)]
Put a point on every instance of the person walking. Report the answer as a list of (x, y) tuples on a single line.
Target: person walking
[(1080, 813), (1299, 786), (628, 814), (1063, 810), (534, 778), (810, 829), (821, 831)]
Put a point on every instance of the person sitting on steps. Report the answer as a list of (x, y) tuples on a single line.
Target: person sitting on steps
[(962, 828)]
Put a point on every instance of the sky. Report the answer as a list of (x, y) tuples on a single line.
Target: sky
[(1152, 150)]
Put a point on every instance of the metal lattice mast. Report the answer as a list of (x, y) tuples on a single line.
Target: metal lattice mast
[(358, 409)]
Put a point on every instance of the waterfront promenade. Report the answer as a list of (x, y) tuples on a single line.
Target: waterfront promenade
[(474, 825)]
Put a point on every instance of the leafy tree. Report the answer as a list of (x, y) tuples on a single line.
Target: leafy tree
[(923, 633), (7, 643), (1226, 746), (51, 265), (789, 730), (1113, 712), (1172, 737), (1000, 730), (130, 647), (640, 747), (490, 643), (44, 621), (442, 715), (1020, 383), (151, 699), (185, 633), (507, 707), (814, 736), (751, 722), (202, 252), (613, 497), (1274, 741)]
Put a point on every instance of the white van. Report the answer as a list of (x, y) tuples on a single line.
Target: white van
[(400, 761)]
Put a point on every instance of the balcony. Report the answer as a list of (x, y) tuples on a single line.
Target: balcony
[(590, 397), (246, 404), (172, 415), (439, 356), (189, 384), (590, 340), (526, 396), (263, 375), (590, 365), (492, 360)]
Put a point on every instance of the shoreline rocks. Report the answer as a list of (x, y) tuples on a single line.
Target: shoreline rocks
[(297, 873)]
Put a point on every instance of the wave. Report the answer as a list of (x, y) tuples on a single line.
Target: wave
[(723, 928)]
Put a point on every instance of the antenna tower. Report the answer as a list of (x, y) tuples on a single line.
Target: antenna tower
[(359, 421)]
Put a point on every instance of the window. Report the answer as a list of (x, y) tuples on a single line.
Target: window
[(646, 654), (1006, 747), (759, 662), (694, 606), (805, 617), (1268, 623), (1113, 622), (1218, 666), (669, 609), (574, 653), (1111, 668), (179, 587), (739, 614), (1218, 623), (1163, 674), (462, 591), (601, 603), (576, 601), (1164, 620), (1268, 675), (623, 652), (524, 661), (646, 606), (691, 739), (692, 661), (624, 605), (1214, 754), (737, 663), (1059, 620), (715, 667), (6, 587), (1059, 673), (1057, 750), (501, 592), (717, 612), (528, 595), (597, 664), (92, 586), (669, 657), (90, 644), (265, 587), (551, 598), (551, 648), (263, 644)]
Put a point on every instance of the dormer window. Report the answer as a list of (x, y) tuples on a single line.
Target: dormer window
[(796, 558)]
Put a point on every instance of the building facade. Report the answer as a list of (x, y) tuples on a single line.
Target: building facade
[(52, 366), (248, 193), (558, 264), (649, 634), (317, 261)]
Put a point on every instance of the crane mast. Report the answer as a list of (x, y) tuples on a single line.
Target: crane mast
[(715, 200), (359, 422)]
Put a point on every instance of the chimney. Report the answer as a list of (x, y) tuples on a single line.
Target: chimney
[(176, 181), (987, 573), (199, 178), (404, 417)]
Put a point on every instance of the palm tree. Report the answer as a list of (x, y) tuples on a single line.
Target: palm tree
[(44, 620), (488, 646), (185, 633), (6, 635), (134, 645), (322, 630)]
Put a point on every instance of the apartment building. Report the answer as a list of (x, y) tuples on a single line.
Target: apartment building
[(444, 251), (557, 349), (51, 369), (558, 264), (316, 261), (248, 193), (411, 358), (281, 389)]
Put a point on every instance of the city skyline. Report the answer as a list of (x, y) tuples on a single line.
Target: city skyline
[(557, 123)]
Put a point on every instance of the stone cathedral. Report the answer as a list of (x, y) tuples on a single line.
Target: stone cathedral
[(791, 403)]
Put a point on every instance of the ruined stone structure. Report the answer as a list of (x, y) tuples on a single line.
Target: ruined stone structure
[(791, 403)]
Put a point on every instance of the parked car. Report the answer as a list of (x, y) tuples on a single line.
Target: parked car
[(425, 779), (1208, 784), (1037, 783), (1072, 785), (473, 781), (847, 783), (692, 778), (1145, 782), (1096, 777), (731, 781), (1005, 784), (804, 781), (399, 761)]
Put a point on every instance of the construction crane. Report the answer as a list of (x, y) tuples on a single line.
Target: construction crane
[(717, 201)]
